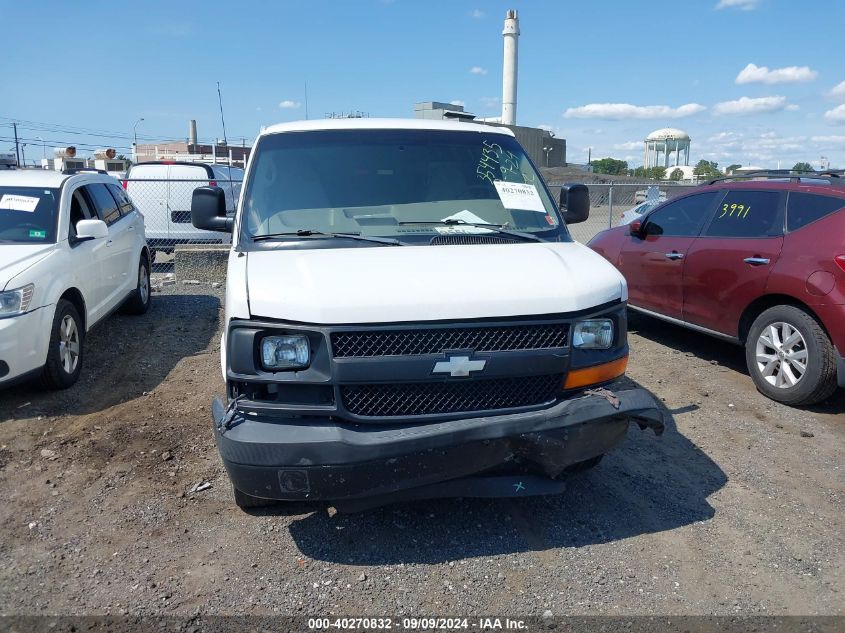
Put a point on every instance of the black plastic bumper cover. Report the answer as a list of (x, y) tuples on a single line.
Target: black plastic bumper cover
[(319, 458)]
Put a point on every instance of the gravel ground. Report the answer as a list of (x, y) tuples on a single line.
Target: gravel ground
[(735, 510)]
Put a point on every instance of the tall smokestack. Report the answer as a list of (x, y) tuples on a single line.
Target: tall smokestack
[(509, 67), (192, 132)]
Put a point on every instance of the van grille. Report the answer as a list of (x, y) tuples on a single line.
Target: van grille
[(414, 342), (460, 396)]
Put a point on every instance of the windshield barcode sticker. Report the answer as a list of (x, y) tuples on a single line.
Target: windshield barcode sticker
[(11, 202), (515, 195)]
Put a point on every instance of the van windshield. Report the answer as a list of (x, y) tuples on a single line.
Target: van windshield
[(411, 185), (28, 215)]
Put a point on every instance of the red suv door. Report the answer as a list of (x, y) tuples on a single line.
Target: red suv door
[(727, 267), (653, 262)]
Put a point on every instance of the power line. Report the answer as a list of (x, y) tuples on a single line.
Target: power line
[(57, 142), (59, 128)]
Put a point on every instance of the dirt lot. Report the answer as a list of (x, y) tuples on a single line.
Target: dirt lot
[(736, 509)]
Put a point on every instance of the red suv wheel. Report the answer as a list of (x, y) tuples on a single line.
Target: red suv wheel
[(790, 357)]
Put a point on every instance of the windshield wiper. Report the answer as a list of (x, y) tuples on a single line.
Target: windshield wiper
[(387, 241), (498, 228)]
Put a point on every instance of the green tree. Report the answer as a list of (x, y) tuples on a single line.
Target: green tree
[(676, 175), (611, 166), (707, 169), (648, 173), (799, 167)]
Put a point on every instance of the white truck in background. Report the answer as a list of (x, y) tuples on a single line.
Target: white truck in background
[(162, 190)]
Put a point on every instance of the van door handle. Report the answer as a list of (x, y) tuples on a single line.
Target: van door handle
[(756, 261), (131, 227), (674, 255), (108, 242)]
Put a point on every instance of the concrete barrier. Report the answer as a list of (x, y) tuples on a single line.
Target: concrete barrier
[(201, 262)]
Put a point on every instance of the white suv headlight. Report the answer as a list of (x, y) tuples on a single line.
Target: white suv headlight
[(285, 352), (15, 302), (593, 334)]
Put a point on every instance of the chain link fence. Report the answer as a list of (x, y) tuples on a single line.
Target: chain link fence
[(610, 201), (166, 205)]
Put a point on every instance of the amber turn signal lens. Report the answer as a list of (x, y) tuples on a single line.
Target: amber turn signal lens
[(596, 374)]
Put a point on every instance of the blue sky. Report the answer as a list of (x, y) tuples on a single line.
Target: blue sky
[(600, 74)]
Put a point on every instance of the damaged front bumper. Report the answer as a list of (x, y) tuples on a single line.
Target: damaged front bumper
[(295, 458)]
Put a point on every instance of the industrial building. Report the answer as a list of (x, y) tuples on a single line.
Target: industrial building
[(544, 148), (190, 149)]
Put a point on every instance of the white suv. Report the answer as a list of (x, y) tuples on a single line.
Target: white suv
[(72, 250)]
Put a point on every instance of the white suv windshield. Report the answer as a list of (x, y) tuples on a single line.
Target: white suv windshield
[(28, 215), (404, 184)]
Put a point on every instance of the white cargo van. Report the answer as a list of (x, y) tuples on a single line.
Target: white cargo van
[(165, 199), (407, 316)]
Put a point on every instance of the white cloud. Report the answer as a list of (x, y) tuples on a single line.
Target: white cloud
[(744, 5), (724, 137), (478, 70), (458, 102), (629, 145), (837, 115), (490, 102), (287, 104), (793, 107), (617, 111), (830, 141), (748, 105), (477, 14), (752, 74), (838, 91)]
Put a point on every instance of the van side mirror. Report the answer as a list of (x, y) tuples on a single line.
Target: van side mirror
[(574, 203), (208, 210), (91, 230), (635, 228)]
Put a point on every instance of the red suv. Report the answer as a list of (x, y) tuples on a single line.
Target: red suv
[(760, 262)]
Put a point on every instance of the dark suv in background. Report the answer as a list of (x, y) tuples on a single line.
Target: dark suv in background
[(759, 260)]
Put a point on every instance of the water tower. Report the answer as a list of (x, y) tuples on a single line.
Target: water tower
[(666, 141)]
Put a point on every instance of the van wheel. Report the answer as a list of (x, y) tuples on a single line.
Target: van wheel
[(790, 357), (246, 502), (139, 301), (64, 355)]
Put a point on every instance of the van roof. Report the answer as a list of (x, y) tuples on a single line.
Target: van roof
[(383, 124)]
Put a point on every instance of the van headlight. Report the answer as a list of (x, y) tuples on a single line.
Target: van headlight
[(593, 334), (290, 351), (15, 302)]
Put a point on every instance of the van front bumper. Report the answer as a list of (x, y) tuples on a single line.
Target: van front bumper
[(314, 458)]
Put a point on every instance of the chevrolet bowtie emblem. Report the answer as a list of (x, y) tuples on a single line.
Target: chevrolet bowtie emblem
[(458, 366)]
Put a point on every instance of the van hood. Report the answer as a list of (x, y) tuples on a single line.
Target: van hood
[(16, 258), (428, 283)]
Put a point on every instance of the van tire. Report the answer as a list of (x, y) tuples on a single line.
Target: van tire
[(818, 381), (66, 329), (139, 301)]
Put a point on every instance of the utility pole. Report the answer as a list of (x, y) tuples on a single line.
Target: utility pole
[(222, 120), (17, 151)]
